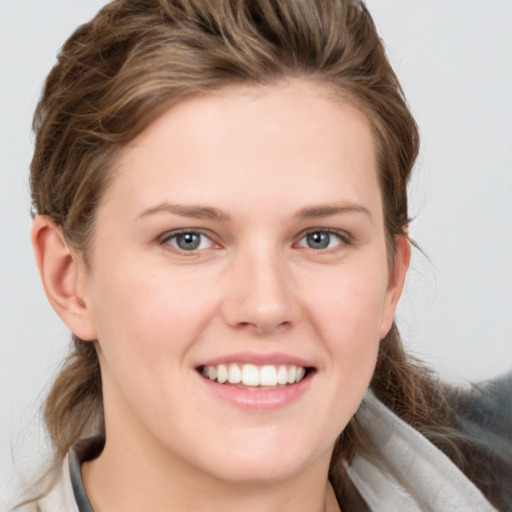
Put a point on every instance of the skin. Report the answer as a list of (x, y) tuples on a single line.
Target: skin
[(278, 162)]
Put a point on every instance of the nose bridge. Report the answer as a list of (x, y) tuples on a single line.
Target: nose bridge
[(261, 294)]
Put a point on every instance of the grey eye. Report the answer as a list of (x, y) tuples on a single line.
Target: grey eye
[(188, 241), (318, 240)]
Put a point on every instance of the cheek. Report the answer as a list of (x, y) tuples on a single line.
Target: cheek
[(351, 302), (348, 314), (122, 308), (146, 316), (146, 323), (344, 311)]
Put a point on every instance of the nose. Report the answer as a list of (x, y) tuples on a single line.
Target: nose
[(260, 294)]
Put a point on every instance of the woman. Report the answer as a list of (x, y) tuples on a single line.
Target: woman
[(222, 223)]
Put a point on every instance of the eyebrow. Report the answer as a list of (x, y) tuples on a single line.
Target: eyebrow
[(192, 211), (326, 210), (210, 213)]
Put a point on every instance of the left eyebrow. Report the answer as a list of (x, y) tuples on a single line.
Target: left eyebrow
[(326, 210)]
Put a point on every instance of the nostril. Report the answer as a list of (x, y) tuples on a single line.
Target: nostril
[(262, 327)]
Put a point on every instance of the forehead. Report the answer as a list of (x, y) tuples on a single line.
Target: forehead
[(251, 142)]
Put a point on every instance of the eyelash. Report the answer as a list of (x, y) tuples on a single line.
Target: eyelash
[(344, 238)]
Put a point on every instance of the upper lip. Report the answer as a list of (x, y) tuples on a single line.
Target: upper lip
[(258, 359)]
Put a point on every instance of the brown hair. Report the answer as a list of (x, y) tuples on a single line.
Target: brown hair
[(135, 59)]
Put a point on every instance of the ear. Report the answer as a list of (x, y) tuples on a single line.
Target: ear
[(396, 282), (64, 276)]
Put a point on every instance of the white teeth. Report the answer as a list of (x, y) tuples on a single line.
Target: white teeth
[(222, 373), (212, 372), (292, 373), (268, 376), (282, 375), (251, 375), (234, 374)]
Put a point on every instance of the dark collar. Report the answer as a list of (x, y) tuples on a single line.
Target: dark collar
[(85, 450)]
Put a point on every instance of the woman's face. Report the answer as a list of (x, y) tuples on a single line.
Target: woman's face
[(241, 238)]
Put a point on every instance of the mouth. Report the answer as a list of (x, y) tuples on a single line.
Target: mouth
[(255, 377)]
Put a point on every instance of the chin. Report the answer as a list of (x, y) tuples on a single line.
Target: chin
[(265, 464), (258, 471)]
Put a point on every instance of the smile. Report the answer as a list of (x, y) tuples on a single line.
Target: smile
[(256, 382), (254, 376)]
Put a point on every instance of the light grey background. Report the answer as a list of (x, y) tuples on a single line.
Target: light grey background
[(454, 58)]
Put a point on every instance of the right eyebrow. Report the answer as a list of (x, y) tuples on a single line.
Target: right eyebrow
[(326, 210), (191, 211)]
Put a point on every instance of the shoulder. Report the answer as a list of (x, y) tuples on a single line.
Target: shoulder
[(484, 411), (484, 417), (59, 496), (401, 469)]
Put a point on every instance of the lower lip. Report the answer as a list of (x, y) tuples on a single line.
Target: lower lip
[(258, 400)]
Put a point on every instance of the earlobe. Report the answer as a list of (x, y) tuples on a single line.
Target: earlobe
[(396, 282), (62, 272)]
